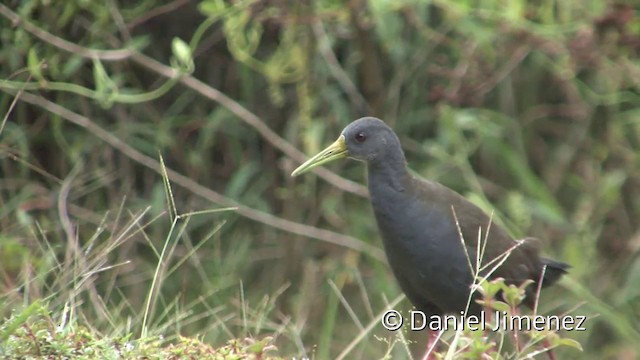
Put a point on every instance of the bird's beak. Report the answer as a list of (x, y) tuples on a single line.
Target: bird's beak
[(337, 150)]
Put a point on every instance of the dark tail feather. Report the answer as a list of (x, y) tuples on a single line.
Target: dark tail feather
[(554, 271)]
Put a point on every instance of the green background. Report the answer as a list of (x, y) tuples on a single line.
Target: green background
[(528, 108)]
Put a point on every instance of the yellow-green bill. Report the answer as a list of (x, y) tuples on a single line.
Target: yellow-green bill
[(337, 150)]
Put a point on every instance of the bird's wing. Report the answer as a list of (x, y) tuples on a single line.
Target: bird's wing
[(520, 259)]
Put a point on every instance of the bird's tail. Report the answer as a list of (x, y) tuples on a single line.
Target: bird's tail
[(554, 271)]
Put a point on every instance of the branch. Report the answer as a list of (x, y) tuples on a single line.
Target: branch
[(251, 119), (205, 90), (200, 190)]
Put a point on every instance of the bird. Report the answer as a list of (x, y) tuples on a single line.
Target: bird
[(422, 222)]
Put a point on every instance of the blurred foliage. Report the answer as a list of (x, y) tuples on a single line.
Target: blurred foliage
[(530, 109)]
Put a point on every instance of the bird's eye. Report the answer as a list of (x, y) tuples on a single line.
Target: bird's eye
[(360, 137)]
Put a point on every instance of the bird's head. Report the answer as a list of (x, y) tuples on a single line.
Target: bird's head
[(366, 139)]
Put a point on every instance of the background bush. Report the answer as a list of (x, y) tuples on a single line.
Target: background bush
[(530, 109)]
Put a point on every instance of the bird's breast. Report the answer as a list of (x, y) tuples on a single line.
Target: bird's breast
[(420, 240)]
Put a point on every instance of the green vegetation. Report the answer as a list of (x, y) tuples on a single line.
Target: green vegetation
[(145, 151), (42, 337)]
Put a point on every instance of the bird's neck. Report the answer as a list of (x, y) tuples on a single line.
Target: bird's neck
[(388, 176), (392, 201)]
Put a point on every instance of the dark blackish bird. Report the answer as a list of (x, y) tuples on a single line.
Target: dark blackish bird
[(422, 223)]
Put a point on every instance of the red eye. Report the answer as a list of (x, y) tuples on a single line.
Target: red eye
[(360, 137)]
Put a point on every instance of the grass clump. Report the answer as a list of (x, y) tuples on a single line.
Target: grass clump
[(34, 333), (77, 303)]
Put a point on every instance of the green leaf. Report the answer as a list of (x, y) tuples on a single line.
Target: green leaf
[(631, 289), (213, 7), (182, 56), (568, 342), (489, 289), (35, 65), (106, 89), (181, 50), (500, 306), (13, 324), (260, 346), (545, 201)]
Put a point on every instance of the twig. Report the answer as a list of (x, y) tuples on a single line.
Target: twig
[(64, 44), (461, 69), (118, 19), (11, 106), (336, 70), (73, 249), (373, 323), (518, 56), (157, 12)]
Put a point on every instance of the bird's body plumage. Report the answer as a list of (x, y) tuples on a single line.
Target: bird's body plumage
[(421, 223), (421, 238)]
